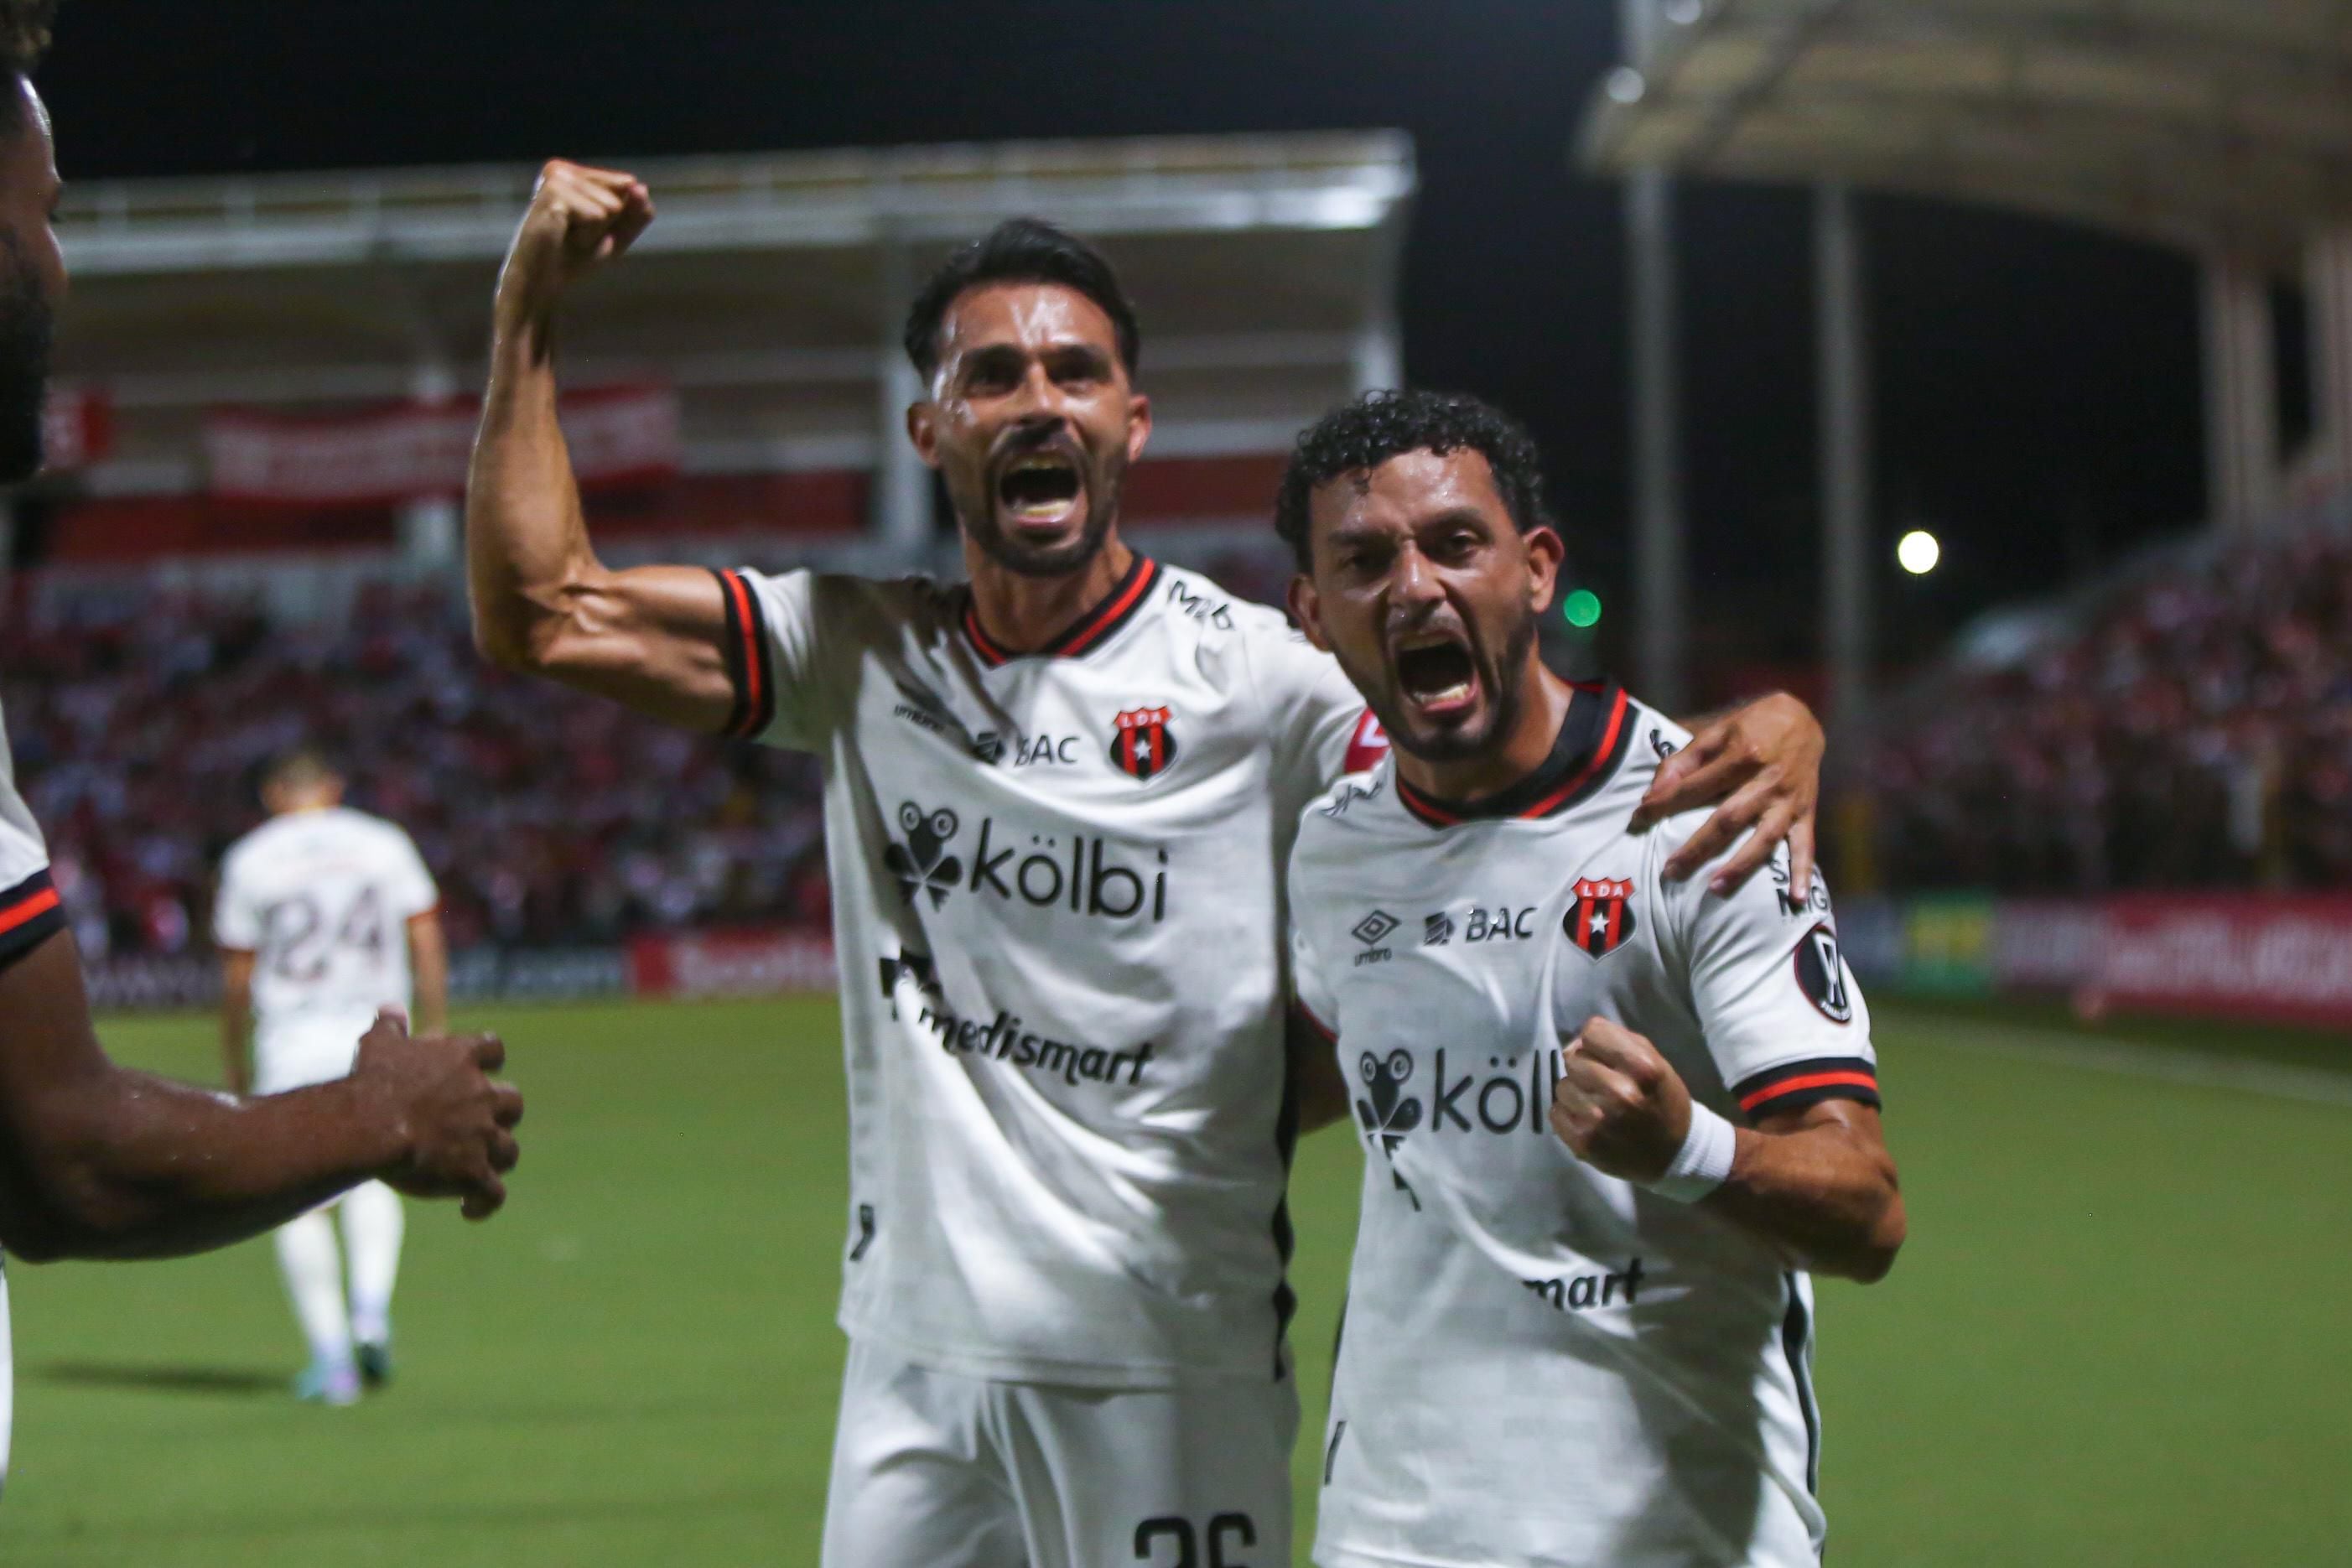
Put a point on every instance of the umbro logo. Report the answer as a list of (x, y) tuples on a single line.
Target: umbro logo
[(1373, 928)]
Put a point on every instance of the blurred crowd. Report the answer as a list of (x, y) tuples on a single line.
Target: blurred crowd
[(139, 724), (2194, 730)]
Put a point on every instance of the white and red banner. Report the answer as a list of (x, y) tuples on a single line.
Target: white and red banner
[(619, 434), (2283, 958), (757, 962)]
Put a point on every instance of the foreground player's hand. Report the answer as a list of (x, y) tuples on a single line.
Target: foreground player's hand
[(1621, 1107), (456, 1122), (579, 218), (1763, 762)]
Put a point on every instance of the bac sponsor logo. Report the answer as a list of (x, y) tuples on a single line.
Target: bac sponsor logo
[(1504, 922), (1820, 974), (1436, 930), (1582, 1292), (1027, 751), (1141, 744), (1599, 916), (1080, 873)]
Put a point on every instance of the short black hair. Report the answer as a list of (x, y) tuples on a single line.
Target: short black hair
[(25, 28), (1021, 250), (1359, 436)]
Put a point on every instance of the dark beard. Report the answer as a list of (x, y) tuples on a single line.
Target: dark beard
[(1508, 681), (27, 328), (1103, 491)]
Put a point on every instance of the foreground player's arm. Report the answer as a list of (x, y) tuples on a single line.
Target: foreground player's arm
[(1763, 764), (653, 637), (1818, 1183), (236, 1020), (99, 1162)]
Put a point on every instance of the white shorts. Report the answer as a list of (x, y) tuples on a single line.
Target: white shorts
[(298, 1052), (935, 1471)]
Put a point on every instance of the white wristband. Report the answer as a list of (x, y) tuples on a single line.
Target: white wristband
[(1704, 1163)]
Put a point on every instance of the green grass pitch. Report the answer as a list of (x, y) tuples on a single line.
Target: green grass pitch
[(2118, 1335)]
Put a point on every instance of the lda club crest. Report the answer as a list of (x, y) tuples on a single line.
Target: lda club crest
[(1599, 916), (1141, 744)]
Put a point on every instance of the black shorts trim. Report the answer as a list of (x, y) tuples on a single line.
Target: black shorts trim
[(30, 913)]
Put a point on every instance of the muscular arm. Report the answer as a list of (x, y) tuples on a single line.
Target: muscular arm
[(428, 958), (1817, 1184), (100, 1162), (236, 1020), (651, 637), (1820, 1184)]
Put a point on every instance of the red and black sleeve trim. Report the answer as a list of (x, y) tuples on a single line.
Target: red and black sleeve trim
[(1798, 1085), (1091, 629), (30, 913), (751, 663)]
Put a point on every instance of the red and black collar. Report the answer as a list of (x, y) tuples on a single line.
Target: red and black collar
[(1090, 630), (1592, 743)]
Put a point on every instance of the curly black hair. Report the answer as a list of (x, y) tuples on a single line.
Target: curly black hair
[(1357, 436), (1021, 250), (24, 38)]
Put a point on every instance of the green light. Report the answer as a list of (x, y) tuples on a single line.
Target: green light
[(1583, 609)]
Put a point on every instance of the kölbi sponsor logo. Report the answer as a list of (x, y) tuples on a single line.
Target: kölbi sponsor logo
[(1513, 1094), (1083, 873)]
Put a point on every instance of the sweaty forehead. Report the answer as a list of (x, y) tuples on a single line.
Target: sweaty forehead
[(1028, 315), (1406, 489)]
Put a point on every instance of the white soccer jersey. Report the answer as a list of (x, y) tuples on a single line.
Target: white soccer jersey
[(322, 899), (1543, 1364), (1057, 912), (29, 915)]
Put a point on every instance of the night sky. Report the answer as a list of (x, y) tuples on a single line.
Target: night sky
[(2038, 385)]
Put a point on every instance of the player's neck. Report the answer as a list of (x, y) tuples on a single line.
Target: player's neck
[(1023, 614), (1515, 755)]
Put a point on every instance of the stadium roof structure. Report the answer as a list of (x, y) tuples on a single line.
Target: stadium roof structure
[(2223, 126), (769, 292)]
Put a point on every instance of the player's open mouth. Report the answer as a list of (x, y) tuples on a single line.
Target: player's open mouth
[(1040, 490), (1437, 674)]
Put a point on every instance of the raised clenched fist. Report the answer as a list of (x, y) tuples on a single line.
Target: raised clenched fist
[(1621, 1107), (579, 218), (454, 1121)]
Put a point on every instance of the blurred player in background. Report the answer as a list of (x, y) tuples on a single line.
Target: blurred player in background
[(97, 1161), (1057, 804), (326, 916), (1591, 1345)]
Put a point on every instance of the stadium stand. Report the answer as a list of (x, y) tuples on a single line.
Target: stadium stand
[(2190, 726)]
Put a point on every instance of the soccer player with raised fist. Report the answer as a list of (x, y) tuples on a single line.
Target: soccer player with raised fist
[(1057, 797), (1614, 1122)]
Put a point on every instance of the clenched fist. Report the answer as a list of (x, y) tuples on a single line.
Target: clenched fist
[(456, 1122), (1621, 1107), (579, 218)]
